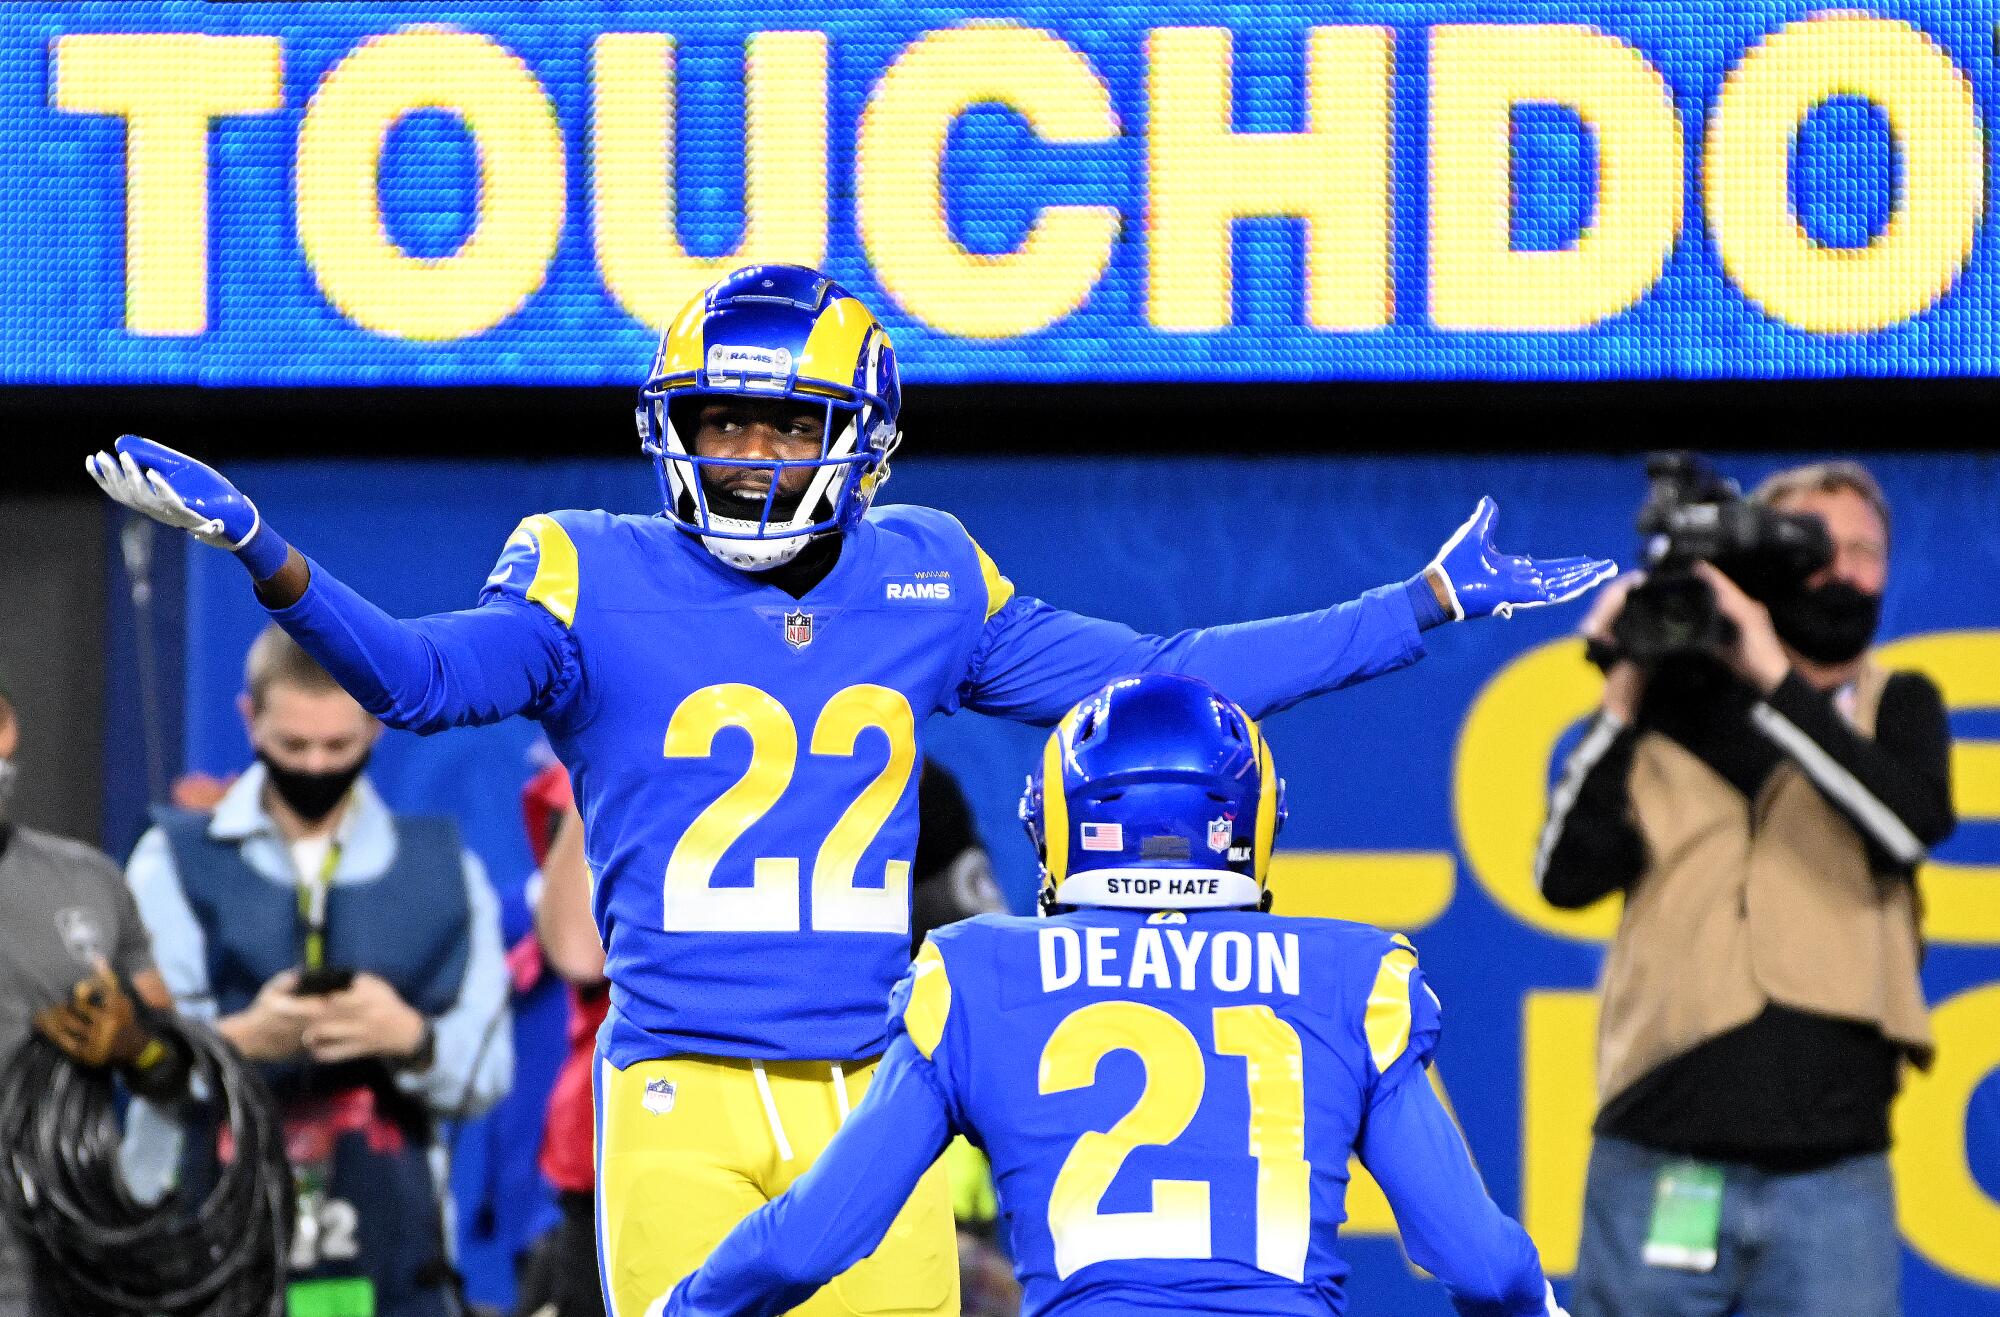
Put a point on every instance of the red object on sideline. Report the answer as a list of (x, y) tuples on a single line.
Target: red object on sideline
[(568, 1142), (568, 1137)]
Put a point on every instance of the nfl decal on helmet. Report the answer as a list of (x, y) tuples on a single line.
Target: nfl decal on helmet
[(1155, 793), (774, 332)]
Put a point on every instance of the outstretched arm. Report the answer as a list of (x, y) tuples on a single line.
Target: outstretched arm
[(838, 1211), (1450, 1227), (508, 656), (1035, 661), (476, 666)]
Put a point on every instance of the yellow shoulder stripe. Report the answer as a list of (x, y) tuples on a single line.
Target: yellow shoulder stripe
[(1387, 1023), (930, 1001), (998, 588), (554, 586)]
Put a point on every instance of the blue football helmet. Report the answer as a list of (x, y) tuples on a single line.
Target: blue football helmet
[(1155, 793), (774, 332)]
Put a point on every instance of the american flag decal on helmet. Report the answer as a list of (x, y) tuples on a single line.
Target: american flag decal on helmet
[(1102, 836)]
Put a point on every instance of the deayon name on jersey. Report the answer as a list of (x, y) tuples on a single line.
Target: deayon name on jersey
[(1169, 956)]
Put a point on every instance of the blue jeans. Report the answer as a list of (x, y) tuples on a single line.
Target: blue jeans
[(1816, 1244)]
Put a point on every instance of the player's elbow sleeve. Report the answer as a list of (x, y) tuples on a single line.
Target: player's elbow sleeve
[(1450, 1227), (798, 1269), (423, 714), (1489, 1267)]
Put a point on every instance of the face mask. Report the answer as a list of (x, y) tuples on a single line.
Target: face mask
[(312, 796), (9, 775), (1831, 624)]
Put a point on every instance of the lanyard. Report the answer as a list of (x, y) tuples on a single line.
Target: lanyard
[(312, 906)]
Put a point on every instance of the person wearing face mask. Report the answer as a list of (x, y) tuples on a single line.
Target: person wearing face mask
[(356, 956), (75, 966), (1763, 815)]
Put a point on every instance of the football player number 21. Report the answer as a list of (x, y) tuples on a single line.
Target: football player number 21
[(771, 902), (1177, 1224)]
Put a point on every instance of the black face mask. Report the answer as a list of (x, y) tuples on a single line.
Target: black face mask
[(312, 796), (1830, 624)]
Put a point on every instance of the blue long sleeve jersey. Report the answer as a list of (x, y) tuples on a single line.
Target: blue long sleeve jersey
[(746, 762), (1169, 1103)]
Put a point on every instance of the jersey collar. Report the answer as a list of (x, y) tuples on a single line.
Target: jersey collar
[(857, 550)]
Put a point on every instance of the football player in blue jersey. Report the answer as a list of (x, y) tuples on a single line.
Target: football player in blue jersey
[(736, 683), (1169, 1081)]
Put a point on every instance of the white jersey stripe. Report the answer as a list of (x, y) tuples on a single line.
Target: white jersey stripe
[(1842, 786), (1563, 799)]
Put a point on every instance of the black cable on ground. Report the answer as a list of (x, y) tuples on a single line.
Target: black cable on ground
[(108, 1254)]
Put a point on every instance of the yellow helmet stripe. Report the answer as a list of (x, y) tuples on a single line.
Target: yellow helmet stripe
[(1267, 808), (1055, 805), (833, 349), (681, 350)]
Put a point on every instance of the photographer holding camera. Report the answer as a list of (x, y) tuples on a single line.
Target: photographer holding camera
[(1761, 793), (354, 955)]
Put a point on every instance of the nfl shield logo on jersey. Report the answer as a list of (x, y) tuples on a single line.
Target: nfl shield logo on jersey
[(1220, 833), (78, 929), (659, 1096), (798, 629)]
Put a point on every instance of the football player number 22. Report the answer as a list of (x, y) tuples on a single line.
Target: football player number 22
[(771, 902), (1177, 1225)]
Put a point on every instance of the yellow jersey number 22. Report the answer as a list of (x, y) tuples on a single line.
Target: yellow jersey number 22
[(771, 902)]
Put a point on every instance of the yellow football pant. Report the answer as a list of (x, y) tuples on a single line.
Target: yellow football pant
[(690, 1145)]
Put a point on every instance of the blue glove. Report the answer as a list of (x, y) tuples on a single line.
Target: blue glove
[(175, 490), (1481, 580)]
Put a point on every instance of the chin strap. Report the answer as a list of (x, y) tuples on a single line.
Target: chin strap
[(755, 555)]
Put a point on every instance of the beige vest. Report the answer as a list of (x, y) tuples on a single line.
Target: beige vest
[(1745, 903)]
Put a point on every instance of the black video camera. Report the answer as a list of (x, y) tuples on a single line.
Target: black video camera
[(1694, 515)]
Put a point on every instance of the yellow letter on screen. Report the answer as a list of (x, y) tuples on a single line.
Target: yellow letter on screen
[(1478, 75), (1747, 173), (521, 170), (1944, 1212), (1202, 175), (1500, 775), (1558, 1104), (1401, 890), (1961, 902), (167, 86), (899, 185), (632, 166)]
